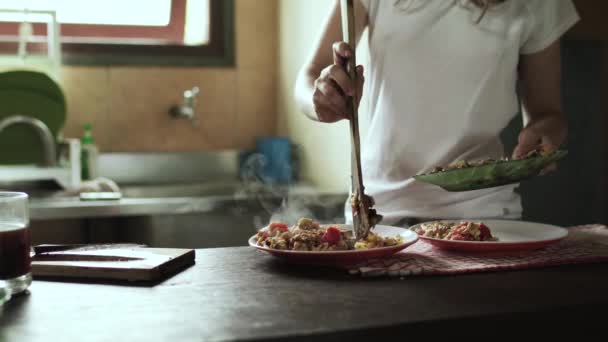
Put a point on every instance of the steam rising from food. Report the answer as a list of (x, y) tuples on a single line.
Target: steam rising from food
[(286, 202)]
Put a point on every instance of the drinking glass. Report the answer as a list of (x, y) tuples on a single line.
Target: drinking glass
[(15, 260)]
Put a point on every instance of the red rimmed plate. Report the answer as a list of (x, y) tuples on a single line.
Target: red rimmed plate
[(344, 257), (513, 237)]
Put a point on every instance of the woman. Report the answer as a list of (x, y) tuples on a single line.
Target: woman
[(446, 76)]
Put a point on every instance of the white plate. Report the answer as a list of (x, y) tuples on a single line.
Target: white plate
[(513, 236)]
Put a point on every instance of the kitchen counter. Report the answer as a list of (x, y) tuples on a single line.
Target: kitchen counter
[(242, 294)]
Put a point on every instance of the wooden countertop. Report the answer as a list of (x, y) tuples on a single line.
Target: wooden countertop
[(242, 294)]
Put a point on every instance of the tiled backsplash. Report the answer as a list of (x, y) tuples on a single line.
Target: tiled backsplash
[(128, 106)]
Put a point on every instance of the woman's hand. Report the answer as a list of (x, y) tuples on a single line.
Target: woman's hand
[(323, 86), (547, 133), (540, 79), (333, 87)]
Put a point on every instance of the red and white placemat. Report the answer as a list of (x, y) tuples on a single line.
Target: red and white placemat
[(584, 244)]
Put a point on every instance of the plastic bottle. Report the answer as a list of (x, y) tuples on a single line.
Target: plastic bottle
[(88, 154)]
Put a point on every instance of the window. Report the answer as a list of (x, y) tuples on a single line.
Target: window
[(176, 32)]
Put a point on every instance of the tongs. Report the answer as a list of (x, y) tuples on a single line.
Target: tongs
[(364, 217)]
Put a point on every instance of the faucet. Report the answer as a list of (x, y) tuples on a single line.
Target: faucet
[(188, 108), (48, 141)]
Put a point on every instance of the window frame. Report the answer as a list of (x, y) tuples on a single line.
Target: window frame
[(219, 52)]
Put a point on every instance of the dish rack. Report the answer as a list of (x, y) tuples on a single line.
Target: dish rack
[(66, 174), (51, 63)]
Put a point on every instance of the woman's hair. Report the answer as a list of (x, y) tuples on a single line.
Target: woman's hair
[(484, 5)]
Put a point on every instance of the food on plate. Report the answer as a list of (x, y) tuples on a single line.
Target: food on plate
[(467, 176), (356, 200), (458, 231), (461, 164), (308, 235)]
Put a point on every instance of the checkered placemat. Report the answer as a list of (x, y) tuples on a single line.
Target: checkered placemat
[(584, 244)]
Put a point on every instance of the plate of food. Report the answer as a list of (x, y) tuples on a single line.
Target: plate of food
[(309, 242), (473, 175), (489, 236)]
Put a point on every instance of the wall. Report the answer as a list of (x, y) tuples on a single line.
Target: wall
[(128, 106), (325, 148)]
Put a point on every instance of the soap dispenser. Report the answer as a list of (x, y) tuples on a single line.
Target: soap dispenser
[(88, 154)]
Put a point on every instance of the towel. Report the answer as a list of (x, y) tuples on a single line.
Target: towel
[(100, 184)]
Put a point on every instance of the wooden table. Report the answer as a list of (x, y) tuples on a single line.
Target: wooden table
[(241, 294)]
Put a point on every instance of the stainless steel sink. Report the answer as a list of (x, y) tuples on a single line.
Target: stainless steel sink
[(187, 200), (230, 223), (199, 215)]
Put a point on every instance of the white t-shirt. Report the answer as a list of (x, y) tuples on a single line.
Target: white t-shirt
[(441, 89)]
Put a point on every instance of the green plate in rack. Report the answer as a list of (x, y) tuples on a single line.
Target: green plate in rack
[(32, 94)]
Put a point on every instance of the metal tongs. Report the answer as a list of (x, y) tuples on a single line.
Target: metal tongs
[(364, 217)]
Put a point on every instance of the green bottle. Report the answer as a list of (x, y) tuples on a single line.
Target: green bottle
[(88, 155)]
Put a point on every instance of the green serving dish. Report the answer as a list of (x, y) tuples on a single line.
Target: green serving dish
[(491, 175)]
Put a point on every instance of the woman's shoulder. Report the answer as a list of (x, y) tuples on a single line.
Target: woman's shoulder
[(548, 20)]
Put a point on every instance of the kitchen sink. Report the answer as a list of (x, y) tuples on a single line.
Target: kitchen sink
[(182, 200), (230, 223), (196, 215)]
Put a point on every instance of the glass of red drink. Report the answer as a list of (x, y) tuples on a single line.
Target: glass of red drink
[(15, 260)]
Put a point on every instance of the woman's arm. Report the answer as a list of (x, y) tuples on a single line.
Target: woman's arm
[(540, 83), (322, 84)]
